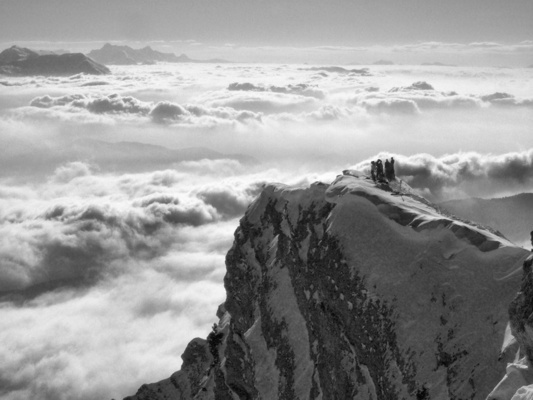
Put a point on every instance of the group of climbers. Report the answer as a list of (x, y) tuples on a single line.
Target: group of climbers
[(380, 174)]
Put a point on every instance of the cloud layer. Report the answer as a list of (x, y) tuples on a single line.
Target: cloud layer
[(85, 226), (119, 196), (464, 174), (160, 112), (247, 102), (103, 267)]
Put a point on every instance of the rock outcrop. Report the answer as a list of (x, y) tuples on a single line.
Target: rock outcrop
[(21, 61), (354, 291)]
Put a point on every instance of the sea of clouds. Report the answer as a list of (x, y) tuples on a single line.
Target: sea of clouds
[(119, 195)]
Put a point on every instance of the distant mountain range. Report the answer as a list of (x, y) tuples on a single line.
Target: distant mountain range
[(438, 64), (111, 54), (27, 159), (140, 157), (383, 62), (22, 61)]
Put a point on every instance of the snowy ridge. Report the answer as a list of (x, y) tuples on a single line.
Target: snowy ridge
[(414, 211), (354, 290)]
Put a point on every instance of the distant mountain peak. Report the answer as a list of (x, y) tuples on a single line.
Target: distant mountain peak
[(16, 53), (22, 61)]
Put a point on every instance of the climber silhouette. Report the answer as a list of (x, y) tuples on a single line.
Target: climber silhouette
[(373, 170), (379, 167), (388, 170)]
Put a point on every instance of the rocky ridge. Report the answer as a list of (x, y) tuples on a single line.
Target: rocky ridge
[(354, 290)]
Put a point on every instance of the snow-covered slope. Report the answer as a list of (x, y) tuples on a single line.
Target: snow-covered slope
[(513, 215), (352, 291), (517, 384)]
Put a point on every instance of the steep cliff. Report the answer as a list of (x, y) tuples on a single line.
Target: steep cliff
[(111, 54), (351, 291), (517, 384)]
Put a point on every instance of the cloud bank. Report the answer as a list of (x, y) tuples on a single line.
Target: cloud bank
[(101, 267), (86, 224), (160, 112)]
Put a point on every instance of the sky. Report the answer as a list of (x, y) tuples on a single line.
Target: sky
[(120, 194), (475, 32), (296, 22)]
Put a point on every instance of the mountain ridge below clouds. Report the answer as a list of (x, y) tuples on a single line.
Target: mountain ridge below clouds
[(106, 156), (111, 54)]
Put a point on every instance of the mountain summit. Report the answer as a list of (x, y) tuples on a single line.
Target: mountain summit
[(16, 54), (354, 291)]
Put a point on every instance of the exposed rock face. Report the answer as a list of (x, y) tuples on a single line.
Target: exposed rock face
[(189, 382), (22, 61), (345, 291), (521, 312), (517, 383)]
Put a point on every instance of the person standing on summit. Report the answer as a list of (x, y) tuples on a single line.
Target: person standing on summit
[(379, 166), (373, 170), (388, 170)]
